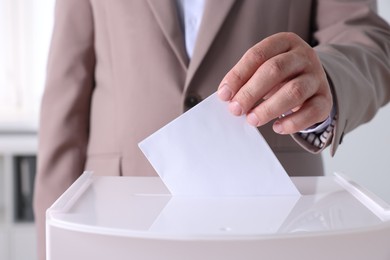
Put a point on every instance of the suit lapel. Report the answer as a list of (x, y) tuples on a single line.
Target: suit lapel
[(165, 12), (214, 15)]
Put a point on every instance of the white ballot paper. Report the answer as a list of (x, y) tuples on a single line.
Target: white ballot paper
[(209, 152)]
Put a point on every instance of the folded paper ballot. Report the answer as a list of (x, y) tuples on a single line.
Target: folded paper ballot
[(208, 152)]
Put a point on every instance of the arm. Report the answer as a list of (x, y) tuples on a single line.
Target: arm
[(282, 73), (354, 48), (63, 132)]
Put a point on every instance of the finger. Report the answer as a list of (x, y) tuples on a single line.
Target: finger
[(270, 75), (288, 98), (313, 111), (249, 64), (274, 90)]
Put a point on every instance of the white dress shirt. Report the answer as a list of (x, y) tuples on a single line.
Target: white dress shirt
[(190, 12)]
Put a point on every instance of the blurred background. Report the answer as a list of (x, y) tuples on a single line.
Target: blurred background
[(25, 32)]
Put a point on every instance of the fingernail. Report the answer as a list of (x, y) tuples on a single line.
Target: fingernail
[(252, 119), (235, 108), (278, 128), (225, 93)]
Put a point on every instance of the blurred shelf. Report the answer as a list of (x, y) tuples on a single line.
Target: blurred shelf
[(17, 172)]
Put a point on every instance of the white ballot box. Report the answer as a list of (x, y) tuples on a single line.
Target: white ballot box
[(136, 218)]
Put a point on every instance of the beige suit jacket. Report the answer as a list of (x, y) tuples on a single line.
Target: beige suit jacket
[(118, 71)]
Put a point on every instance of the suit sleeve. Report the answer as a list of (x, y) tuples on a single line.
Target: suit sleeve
[(65, 107), (354, 47)]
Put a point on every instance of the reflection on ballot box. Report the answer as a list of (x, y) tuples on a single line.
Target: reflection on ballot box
[(137, 218)]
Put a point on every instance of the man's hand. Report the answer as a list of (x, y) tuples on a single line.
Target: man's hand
[(280, 77)]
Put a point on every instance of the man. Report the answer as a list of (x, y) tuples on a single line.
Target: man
[(120, 70)]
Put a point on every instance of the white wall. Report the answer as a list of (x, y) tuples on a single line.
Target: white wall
[(25, 33), (365, 153)]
